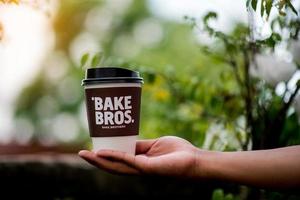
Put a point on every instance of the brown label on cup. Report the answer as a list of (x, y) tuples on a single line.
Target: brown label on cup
[(113, 111)]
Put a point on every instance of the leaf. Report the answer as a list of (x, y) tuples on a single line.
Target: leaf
[(282, 13), (84, 59), (229, 197), (276, 37), (190, 20), (262, 8), (280, 5), (248, 3), (96, 60), (290, 5), (218, 194), (151, 78), (206, 18), (254, 4), (210, 15), (298, 83), (269, 4), (272, 40)]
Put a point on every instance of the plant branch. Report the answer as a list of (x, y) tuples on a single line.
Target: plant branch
[(234, 66), (290, 101), (248, 98)]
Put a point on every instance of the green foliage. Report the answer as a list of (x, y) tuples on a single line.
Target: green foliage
[(84, 59), (271, 41), (266, 6), (97, 60), (265, 118), (218, 194), (181, 96)]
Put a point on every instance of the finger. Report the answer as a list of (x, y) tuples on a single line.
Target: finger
[(110, 166), (143, 146), (138, 162), (117, 156), (87, 155), (107, 165)]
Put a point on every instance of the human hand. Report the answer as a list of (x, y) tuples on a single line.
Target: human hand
[(175, 157), (167, 156)]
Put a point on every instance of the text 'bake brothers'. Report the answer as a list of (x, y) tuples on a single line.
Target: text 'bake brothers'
[(113, 110)]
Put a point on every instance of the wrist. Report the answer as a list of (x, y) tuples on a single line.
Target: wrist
[(205, 164)]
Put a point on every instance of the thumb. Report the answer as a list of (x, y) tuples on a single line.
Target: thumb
[(143, 146)]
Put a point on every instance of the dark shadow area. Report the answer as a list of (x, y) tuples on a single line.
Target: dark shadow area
[(72, 179)]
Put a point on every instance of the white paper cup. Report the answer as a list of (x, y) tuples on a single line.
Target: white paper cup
[(113, 108)]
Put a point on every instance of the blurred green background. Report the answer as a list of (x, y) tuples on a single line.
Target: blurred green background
[(188, 92), (184, 88)]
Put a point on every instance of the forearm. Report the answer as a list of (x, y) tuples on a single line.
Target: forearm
[(276, 168)]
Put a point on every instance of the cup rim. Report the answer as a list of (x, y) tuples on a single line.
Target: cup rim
[(93, 81)]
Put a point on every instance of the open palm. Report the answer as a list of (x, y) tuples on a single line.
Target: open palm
[(168, 156)]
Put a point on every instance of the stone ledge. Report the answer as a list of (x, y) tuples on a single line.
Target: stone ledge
[(53, 175)]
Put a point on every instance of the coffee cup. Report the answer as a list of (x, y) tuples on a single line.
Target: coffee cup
[(113, 98)]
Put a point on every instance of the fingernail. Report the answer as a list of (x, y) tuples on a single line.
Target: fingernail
[(82, 152)]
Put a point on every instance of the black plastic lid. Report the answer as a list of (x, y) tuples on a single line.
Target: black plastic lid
[(111, 75)]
